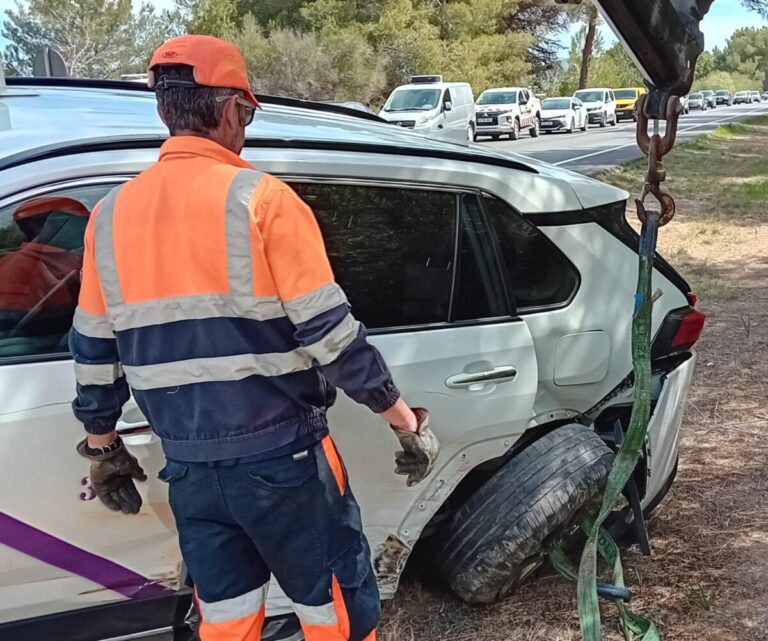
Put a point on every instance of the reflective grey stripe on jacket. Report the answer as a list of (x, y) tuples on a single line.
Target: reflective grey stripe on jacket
[(239, 303)]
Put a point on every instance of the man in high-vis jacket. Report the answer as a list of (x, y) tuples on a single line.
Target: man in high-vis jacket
[(206, 291)]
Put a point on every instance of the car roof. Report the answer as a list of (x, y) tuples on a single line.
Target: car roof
[(36, 113), (44, 118)]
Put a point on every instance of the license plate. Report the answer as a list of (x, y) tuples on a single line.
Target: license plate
[(547, 123), (484, 121)]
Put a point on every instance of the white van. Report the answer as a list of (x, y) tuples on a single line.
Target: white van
[(435, 108), (600, 104)]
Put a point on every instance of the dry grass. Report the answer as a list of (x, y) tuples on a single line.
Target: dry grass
[(708, 577)]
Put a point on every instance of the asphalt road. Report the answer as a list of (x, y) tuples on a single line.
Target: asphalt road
[(600, 149)]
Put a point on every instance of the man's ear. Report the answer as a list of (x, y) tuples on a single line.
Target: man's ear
[(232, 114)]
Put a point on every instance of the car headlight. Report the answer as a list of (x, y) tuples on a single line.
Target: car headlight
[(593, 109), (426, 119)]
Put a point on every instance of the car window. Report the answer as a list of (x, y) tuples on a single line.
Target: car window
[(391, 249), (539, 273), (447, 96), (479, 287), (41, 255)]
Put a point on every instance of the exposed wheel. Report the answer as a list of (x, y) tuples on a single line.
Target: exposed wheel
[(603, 120), (515, 133), (571, 127), (585, 126), (615, 120), (495, 540), (534, 131)]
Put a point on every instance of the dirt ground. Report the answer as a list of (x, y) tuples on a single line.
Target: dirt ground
[(708, 577)]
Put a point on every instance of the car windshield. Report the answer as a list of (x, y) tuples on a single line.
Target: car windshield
[(707, 92), (696, 96), (589, 96), (741, 93), (413, 100), (626, 93), (722, 92), (497, 98), (556, 103)]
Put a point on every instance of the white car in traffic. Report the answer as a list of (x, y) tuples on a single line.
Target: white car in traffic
[(443, 110), (563, 114), (507, 110), (499, 289), (600, 104)]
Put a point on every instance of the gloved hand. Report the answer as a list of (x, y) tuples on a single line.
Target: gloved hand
[(420, 449), (112, 474)]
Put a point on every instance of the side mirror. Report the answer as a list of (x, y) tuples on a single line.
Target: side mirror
[(447, 106)]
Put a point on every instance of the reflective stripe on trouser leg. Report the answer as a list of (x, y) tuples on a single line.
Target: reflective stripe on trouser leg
[(240, 618), (331, 622)]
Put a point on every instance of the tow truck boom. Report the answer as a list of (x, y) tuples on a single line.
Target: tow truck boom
[(663, 38)]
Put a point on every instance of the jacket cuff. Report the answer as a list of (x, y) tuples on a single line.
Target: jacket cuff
[(383, 399), (100, 426)]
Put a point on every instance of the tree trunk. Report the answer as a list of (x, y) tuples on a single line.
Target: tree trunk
[(589, 44)]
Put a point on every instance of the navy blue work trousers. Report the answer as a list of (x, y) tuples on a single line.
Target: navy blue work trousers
[(293, 517)]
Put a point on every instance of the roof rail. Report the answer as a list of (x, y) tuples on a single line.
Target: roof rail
[(123, 85), (107, 143)]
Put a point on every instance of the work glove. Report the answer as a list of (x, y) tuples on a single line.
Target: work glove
[(420, 449), (112, 474)]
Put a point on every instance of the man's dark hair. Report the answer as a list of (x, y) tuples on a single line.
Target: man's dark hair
[(191, 108)]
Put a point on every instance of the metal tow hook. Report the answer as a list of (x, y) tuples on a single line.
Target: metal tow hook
[(656, 147)]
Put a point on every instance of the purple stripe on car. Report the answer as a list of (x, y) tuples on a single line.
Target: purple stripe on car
[(40, 545)]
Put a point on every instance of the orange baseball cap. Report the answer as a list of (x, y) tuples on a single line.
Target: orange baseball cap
[(47, 205), (214, 63)]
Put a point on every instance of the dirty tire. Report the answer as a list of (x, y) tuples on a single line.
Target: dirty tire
[(497, 535)]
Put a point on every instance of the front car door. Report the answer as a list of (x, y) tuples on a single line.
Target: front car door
[(60, 548)]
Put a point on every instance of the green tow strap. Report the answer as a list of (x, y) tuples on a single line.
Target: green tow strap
[(633, 626)]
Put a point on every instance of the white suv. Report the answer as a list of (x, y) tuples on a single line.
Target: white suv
[(507, 110), (498, 288), (600, 104)]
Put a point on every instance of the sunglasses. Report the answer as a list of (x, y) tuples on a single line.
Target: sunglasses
[(248, 109)]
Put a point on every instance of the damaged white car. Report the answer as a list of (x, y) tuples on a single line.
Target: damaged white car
[(499, 289)]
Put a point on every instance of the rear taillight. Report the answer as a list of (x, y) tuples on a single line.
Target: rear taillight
[(689, 331), (679, 331)]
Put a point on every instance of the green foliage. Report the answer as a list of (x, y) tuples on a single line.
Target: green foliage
[(96, 38), (723, 80), (614, 68), (211, 17), (741, 65)]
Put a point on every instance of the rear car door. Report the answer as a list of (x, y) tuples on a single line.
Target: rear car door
[(60, 548), (419, 267)]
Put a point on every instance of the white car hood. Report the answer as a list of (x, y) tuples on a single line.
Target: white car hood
[(555, 113), (591, 105)]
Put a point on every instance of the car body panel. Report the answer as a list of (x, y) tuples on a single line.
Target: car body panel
[(475, 425), (664, 428)]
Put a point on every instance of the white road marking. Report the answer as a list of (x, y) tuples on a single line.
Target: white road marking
[(679, 131)]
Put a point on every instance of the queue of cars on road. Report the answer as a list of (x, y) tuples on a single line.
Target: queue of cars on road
[(447, 110)]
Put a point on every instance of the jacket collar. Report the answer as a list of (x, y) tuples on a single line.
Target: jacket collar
[(177, 147)]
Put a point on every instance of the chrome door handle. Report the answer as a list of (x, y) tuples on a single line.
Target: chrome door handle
[(502, 374)]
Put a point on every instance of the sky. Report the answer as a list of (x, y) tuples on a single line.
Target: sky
[(723, 19)]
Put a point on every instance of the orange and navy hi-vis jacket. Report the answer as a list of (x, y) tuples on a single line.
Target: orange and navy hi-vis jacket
[(206, 289)]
